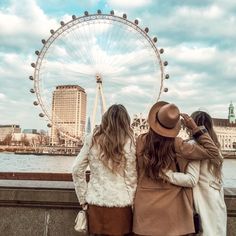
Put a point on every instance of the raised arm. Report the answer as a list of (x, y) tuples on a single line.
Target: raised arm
[(188, 179), (78, 170), (206, 148)]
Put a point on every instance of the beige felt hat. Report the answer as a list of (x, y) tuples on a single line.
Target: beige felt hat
[(164, 119)]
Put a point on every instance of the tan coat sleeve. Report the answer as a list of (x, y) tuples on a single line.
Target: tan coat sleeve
[(203, 149)]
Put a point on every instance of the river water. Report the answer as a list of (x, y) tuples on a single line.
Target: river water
[(62, 164)]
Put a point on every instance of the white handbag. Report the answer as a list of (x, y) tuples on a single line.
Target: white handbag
[(81, 222)]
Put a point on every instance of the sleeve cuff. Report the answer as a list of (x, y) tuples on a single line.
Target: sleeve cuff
[(200, 131), (82, 200)]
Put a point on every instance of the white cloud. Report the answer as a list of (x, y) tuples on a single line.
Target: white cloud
[(129, 3), (2, 96), (193, 54), (23, 24), (210, 12), (132, 89)]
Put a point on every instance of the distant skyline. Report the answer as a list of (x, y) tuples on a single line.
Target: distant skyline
[(198, 38)]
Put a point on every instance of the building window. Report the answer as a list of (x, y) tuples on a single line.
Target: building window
[(234, 145)]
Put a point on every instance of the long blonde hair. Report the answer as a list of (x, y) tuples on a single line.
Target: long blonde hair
[(111, 136), (203, 118)]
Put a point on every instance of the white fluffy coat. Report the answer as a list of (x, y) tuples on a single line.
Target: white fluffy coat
[(104, 188)]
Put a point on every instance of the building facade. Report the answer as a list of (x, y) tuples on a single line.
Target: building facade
[(68, 114), (6, 130), (226, 130)]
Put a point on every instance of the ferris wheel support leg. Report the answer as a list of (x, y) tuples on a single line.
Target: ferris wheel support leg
[(103, 100), (95, 108)]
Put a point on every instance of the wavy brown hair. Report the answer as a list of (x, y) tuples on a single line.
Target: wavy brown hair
[(111, 136), (158, 153), (203, 118)]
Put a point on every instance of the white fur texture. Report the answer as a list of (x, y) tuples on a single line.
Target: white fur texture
[(104, 188)]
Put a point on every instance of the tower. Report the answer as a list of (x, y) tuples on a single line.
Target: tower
[(99, 93), (68, 112), (88, 128), (231, 115)]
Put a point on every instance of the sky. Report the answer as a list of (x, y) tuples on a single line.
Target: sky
[(198, 38)]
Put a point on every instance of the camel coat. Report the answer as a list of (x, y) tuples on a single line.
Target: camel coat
[(163, 209)]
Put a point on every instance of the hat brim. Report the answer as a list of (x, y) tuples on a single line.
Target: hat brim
[(157, 127)]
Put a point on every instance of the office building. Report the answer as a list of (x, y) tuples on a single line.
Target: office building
[(68, 114), (8, 130)]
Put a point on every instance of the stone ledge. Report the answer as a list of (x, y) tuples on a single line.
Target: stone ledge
[(29, 211)]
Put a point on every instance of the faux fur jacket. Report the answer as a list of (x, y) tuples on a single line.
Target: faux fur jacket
[(104, 188)]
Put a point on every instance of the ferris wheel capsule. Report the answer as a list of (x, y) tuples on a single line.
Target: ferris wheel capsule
[(73, 17), (136, 22), (41, 114), (49, 125), (112, 12), (124, 16), (167, 76), (99, 11), (165, 90), (165, 63), (146, 29), (37, 52), (52, 31), (62, 23), (155, 39), (32, 91), (161, 50), (43, 41), (31, 77), (33, 65), (86, 13), (35, 103)]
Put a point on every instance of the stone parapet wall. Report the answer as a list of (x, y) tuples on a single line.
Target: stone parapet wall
[(41, 208)]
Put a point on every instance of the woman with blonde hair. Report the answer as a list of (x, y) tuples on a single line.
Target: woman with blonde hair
[(206, 179), (160, 208), (110, 154)]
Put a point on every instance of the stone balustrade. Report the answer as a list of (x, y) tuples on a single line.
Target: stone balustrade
[(47, 208)]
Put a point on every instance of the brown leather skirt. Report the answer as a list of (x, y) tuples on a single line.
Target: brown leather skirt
[(109, 220)]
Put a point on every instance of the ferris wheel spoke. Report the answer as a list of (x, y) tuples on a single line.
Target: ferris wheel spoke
[(108, 37), (85, 32), (77, 53), (74, 53), (118, 39)]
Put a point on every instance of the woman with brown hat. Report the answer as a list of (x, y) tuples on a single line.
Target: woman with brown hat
[(110, 154), (161, 208)]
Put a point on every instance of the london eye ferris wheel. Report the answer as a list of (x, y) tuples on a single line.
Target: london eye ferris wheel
[(111, 57)]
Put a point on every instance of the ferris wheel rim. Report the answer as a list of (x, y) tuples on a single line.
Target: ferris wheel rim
[(86, 19)]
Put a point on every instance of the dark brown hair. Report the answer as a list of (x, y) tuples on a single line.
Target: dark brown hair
[(112, 135), (202, 118), (158, 153)]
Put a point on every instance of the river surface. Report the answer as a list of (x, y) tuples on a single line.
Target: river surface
[(62, 164)]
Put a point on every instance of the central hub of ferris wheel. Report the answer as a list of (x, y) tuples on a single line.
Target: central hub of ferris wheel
[(98, 79)]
